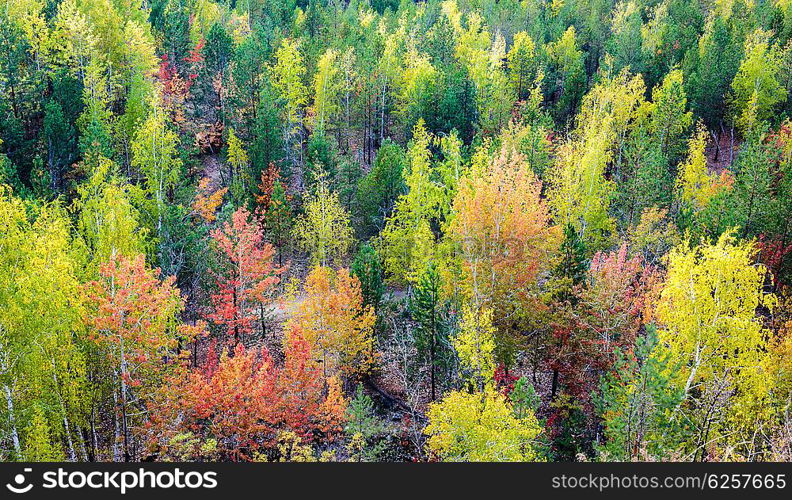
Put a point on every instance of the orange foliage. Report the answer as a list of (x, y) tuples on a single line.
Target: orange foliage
[(247, 274), (335, 322), (206, 203), (268, 179), (245, 400), (134, 315), (501, 228)]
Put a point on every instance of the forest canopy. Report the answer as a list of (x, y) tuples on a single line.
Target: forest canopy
[(381, 230)]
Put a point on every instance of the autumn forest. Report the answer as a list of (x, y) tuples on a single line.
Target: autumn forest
[(383, 230)]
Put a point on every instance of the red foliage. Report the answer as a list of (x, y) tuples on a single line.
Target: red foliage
[(244, 400), (134, 315), (573, 358), (246, 276), (300, 384), (772, 253), (606, 317), (195, 57), (504, 379), (172, 83), (174, 90)]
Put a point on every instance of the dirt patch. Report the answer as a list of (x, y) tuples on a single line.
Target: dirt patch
[(721, 150)]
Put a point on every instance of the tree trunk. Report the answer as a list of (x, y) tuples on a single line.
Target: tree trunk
[(12, 421), (554, 387)]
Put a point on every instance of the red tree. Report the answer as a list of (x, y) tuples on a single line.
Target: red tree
[(134, 321), (246, 275), (245, 400), (604, 317)]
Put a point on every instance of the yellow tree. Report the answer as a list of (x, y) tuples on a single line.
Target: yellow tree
[(757, 85), (76, 36), (108, 222), (697, 186), (207, 202), (29, 16), (481, 427), (327, 88), (408, 243), (287, 74), (579, 193), (324, 230), (139, 61), (389, 70), (707, 316), (335, 322), (779, 363), (522, 64), (155, 153), (475, 345), (238, 163), (483, 57), (417, 75), (42, 369)]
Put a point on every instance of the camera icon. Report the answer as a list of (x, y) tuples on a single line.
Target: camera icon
[(19, 485)]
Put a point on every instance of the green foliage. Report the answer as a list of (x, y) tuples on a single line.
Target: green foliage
[(365, 428), (323, 230), (567, 76), (267, 141), (321, 158), (710, 69), (522, 64), (429, 310), (368, 270), (756, 86), (637, 405), (524, 398), (752, 197), (287, 74), (378, 190), (278, 219), (410, 238), (485, 158), (646, 178), (669, 121), (39, 446), (238, 168), (43, 368), (624, 46), (572, 265), (579, 193), (327, 89), (670, 32), (109, 223)]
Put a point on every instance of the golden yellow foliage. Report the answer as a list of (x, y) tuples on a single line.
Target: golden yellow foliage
[(336, 324), (707, 316), (480, 427), (206, 202)]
